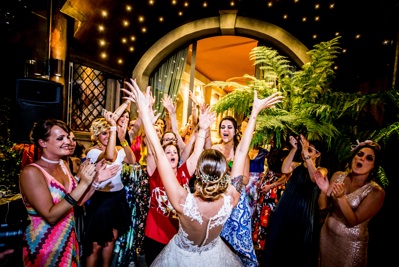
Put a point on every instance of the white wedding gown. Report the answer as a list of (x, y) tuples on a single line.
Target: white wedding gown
[(181, 251)]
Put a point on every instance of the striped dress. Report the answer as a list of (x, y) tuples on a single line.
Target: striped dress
[(51, 245)]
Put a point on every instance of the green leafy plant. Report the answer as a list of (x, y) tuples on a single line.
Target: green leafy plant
[(310, 105), (10, 157)]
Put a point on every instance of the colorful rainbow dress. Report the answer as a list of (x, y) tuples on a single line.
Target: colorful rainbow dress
[(51, 245)]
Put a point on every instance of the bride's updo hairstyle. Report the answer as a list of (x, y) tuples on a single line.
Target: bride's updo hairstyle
[(211, 175)]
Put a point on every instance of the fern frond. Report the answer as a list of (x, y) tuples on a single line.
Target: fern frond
[(382, 177), (386, 133)]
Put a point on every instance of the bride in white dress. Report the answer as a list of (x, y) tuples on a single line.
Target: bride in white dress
[(203, 213)]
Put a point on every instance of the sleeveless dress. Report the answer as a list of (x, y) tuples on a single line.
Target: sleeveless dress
[(256, 167), (341, 245), (181, 251), (46, 244), (264, 208), (237, 231), (293, 235)]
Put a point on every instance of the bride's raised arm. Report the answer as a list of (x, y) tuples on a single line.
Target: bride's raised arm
[(174, 190)]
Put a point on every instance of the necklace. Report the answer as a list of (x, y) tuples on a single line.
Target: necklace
[(50, 161), (61, 162)]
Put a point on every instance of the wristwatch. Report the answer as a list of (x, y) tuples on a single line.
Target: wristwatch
[(306, 157)]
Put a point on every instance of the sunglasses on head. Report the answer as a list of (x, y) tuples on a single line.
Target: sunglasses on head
[(368, 157), (312, 148)]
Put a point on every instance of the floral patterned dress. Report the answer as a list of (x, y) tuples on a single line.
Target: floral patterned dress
[(264, 207), (129, 246)]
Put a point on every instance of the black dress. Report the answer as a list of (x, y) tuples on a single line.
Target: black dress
[(293, 234)]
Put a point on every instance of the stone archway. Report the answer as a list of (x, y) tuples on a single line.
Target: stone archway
[(228, 23)]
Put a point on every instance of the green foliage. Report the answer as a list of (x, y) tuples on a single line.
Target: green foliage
[(310, 106), (10, 158), (382, 177), (301, 89)]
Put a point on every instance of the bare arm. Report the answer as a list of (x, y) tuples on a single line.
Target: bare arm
[(283, 179), (102, 174), (170, 107), (151, 164), (175, 192), (205, 120), (135, 130), (369, 207), (119, 111), (34, 187), (241, 153), (288, 165), (208, 141), (310, 161), (194, 110), (245, 179), (323, 183), (186, 152), (110, 153), (150, 158), (130, 158)]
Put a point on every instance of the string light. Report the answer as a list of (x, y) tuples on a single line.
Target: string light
[(189, 6)]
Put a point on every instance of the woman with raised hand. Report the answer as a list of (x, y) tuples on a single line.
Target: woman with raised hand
[(353, 198), (108, 212), (203, 213), (237, 230), (49, 192), (185, 148), (294, 225), (162, 224)]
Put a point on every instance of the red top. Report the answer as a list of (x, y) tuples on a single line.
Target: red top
[(162, 224)]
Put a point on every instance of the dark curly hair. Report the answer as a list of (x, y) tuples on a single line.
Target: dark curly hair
[(42, 128), (236, 137), (377, 153)]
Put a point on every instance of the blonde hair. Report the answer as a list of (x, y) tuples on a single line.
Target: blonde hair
[(98, 126)]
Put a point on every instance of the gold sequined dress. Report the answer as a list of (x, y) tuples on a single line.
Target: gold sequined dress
[(341, 245)]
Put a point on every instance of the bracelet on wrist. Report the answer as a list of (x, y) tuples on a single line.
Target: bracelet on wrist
[(112, 128), (306, 157), (124, 143), (95, 185), (77, 178), (70, 200)]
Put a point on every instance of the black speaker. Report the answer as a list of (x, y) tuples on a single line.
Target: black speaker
[(35, 99)]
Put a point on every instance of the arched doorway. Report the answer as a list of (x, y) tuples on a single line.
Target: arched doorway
[(228, 23)]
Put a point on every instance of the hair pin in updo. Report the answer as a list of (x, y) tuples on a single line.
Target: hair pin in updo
[(364, 143), (206, 178)]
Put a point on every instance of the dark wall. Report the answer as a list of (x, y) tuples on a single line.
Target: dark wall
[(25, 28), (383, 227)]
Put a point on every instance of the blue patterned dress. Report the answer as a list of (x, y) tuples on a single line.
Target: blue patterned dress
[(237, 231)]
